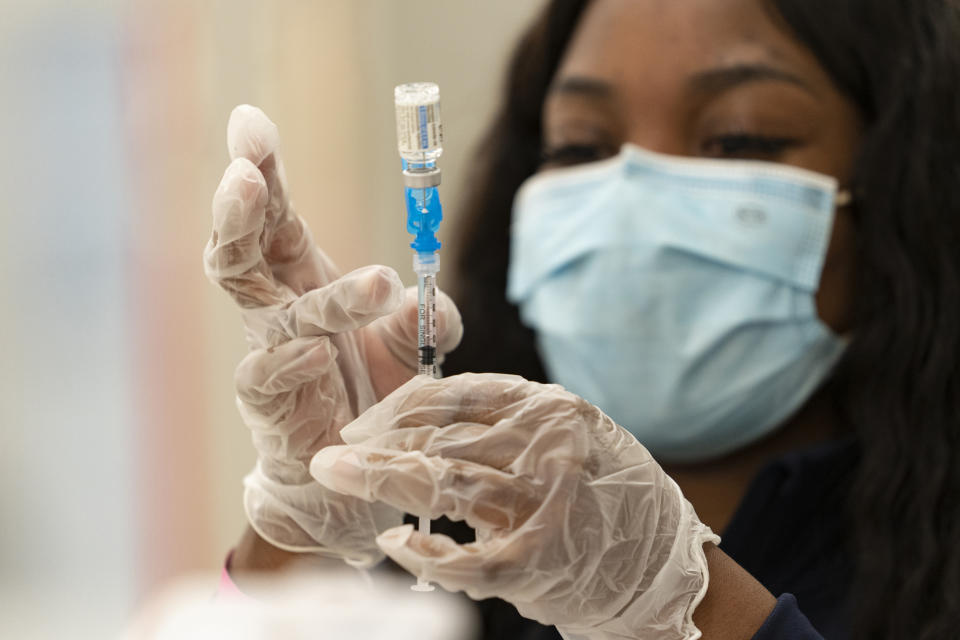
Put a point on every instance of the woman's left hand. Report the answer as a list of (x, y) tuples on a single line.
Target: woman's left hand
[(577, 525)]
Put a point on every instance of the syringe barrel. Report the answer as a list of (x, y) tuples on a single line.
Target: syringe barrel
[(419, 129)]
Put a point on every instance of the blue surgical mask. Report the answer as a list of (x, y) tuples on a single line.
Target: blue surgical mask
[(677, 294)]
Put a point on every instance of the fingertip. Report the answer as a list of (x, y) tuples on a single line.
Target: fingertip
[(410, 308), (425, 555), (381, 288), (364, 427), (395, 538), (238, 209), (324, 351), (251, 134), (246, 370), (243, 180), (265, 373), (324, 464), (314, 354), (449, 323), (388, 289)]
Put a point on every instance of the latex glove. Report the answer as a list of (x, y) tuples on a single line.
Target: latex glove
[(577, 526), (324, 347)]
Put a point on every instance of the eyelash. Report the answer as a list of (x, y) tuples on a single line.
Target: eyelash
[(574, 154), (746, 145), (734, 145)]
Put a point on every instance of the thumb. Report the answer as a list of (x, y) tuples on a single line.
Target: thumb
[(399, 330)]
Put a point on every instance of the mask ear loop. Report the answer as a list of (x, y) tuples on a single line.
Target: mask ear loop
[(843, 198)]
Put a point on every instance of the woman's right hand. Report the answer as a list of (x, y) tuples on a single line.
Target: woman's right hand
[(324, 348), (577, 525)]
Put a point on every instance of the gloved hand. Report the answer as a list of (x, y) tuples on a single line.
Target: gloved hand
[(324, 347), (577, 526)]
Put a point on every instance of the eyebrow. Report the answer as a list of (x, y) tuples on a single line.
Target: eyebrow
[(710, 81), (725, 78), (582, 86)]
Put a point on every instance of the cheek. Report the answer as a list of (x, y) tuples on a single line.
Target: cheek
[(835, 296)]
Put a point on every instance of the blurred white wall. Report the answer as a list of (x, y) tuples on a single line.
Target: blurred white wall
[(121, 453), (67, 422)]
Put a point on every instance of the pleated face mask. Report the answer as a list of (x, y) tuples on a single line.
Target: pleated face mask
[(677, 294)]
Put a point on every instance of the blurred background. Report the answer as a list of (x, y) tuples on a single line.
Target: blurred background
[(121, 452)]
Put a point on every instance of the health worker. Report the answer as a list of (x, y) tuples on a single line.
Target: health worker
[(708, 318)]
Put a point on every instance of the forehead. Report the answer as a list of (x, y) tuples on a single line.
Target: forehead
[(655, 44)]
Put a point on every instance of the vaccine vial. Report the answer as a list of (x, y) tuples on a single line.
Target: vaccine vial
[(419, 130)]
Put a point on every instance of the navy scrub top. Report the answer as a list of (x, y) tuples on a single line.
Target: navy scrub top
[(789, 532)]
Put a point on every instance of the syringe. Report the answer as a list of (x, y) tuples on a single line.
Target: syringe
[(420, 141)]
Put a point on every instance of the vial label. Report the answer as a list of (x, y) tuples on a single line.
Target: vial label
[(419, 128)]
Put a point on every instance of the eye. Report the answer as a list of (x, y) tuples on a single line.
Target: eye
[(747, 146), (569, 154)]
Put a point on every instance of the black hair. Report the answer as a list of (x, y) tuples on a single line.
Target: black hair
[(898, 61), (494, 338)]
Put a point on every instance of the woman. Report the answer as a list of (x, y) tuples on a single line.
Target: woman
[(838, 483)]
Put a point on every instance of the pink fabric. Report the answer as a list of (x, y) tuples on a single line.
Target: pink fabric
[(228, 591)]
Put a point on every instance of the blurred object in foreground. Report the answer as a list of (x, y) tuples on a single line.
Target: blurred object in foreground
[(330, 605)]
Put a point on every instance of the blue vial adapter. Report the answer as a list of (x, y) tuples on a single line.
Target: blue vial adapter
[(424, 211), (424, 214)]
